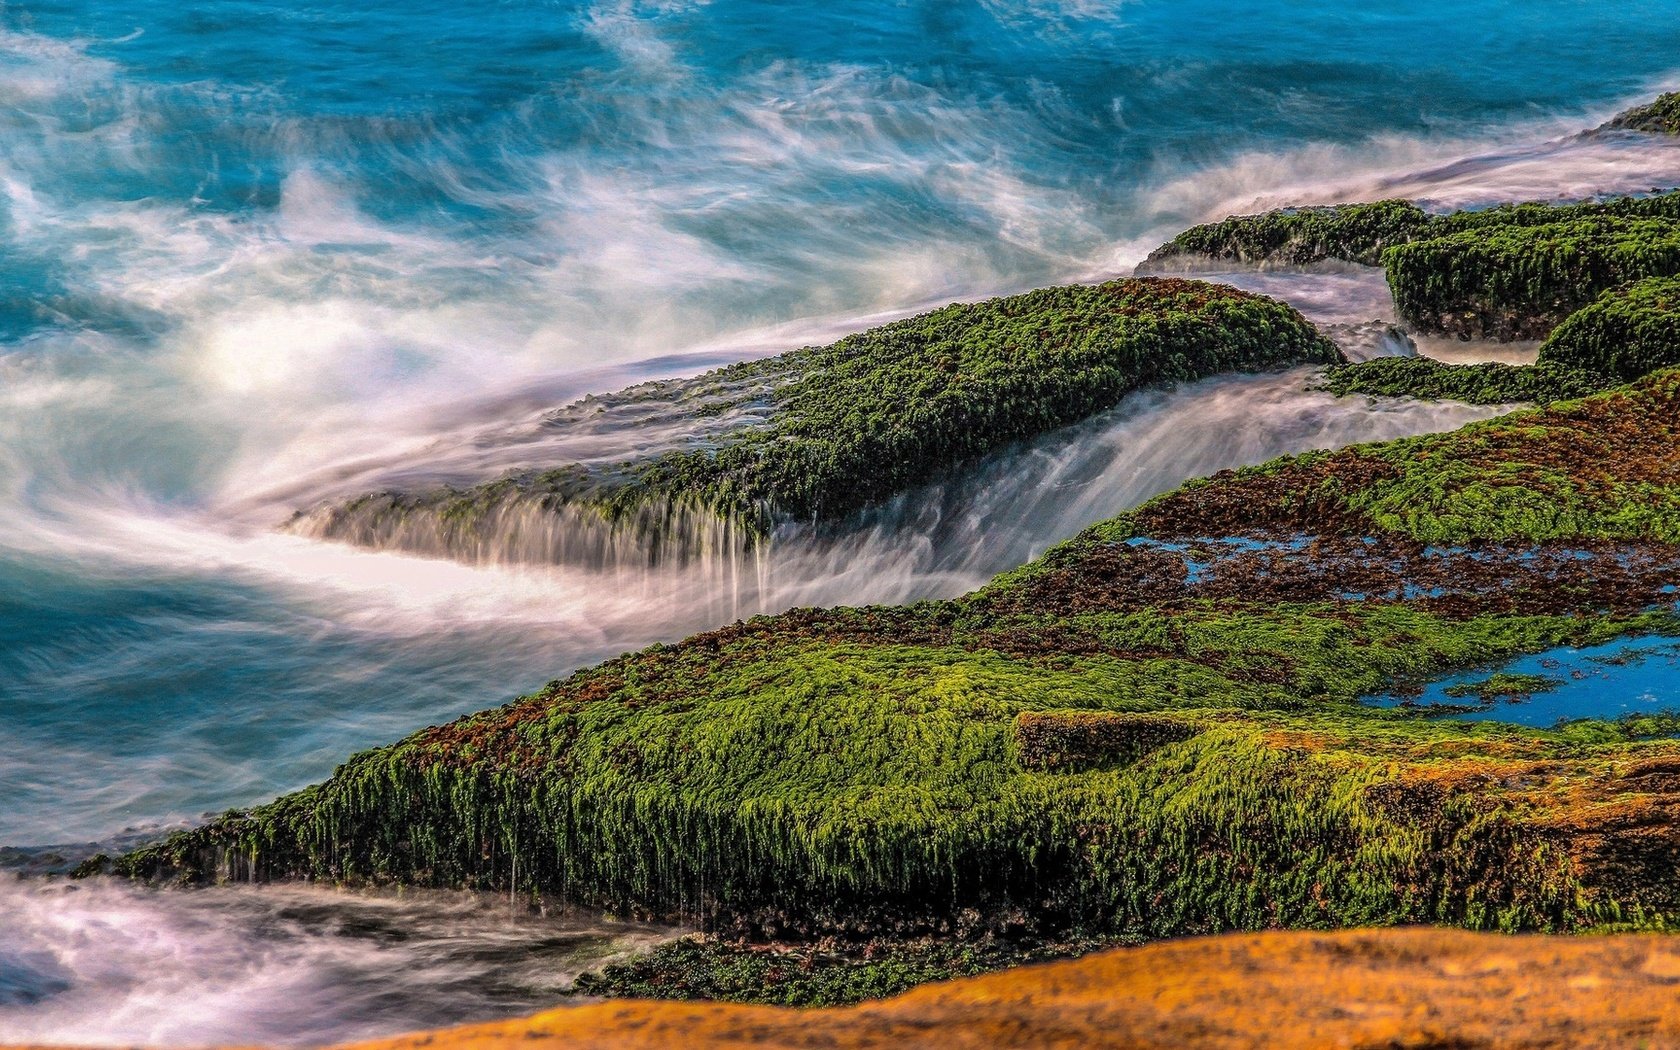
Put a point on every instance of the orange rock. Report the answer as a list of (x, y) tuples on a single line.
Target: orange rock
[(1410, 988), (1389, 989)]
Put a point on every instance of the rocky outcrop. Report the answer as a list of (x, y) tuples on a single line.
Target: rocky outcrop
[(818, 434), (1661, 117), (1406, 989)]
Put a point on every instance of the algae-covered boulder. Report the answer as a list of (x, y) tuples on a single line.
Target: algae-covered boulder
[(1357, 233), (1155, 729), (1520, 282), (1483, 383), (1627, 332), (816, 434), (1661, 117), (1505, 273), (1360, 233)]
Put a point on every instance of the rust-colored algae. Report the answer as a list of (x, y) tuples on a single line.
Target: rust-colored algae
[(1408, 988)]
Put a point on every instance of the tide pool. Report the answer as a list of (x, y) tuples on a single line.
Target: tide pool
[(1634, 676)]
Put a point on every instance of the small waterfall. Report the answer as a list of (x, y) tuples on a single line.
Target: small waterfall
[(937, 540), (720, 557)]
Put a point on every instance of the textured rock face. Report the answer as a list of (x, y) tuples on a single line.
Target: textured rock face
[(1412, 989), (1661, 117), (1395, 988)]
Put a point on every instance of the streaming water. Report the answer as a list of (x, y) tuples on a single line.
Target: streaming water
[(103, 962), (254, 255)]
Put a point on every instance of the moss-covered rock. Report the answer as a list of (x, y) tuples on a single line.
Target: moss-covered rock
[(1520, 282), (1606, 468), (1628, 332), (1155, 729), (1489, 383), (1361, 233), (818, 433), (812, 975), (1357, 233), (1661, 117)]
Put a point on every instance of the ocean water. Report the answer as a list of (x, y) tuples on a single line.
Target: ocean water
[(249, 251)]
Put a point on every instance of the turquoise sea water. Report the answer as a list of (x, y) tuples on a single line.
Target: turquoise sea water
[(247, 249)]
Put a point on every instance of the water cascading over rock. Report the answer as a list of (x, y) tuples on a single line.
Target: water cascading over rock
[(706, 472)]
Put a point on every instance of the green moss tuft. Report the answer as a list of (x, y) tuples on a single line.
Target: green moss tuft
[(1661, 117), (1520, 282), (1628, 332), (1477, 384)]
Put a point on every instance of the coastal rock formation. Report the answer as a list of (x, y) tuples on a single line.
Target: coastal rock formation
[(814, 435), (1488, 383), (1363, 233), (1596, 280), (1661, 117), (1413, 989), (880, 773), (1520, 282), (1506, 273), (1626, 332)]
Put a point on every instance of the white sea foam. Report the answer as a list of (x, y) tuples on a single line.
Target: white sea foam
[(1547, 159), (103, 962)]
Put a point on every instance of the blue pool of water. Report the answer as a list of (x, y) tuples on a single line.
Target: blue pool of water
[(1633, 676)]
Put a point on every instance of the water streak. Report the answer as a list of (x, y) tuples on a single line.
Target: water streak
[(103, 962)]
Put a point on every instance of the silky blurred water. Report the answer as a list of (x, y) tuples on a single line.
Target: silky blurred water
[(249, 250)]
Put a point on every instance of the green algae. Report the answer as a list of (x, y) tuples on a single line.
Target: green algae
[(1154, 729), (863, 773), (1356, 233), (839, 427), (1627, 332), (1516, 271), (1520, 282), (1488, 383), (1503, 686), (1660, 117), (1362, 233), (809, 975), (1597, 469)]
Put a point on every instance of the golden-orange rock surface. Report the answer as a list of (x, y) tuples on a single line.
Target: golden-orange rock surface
[(1394, 988), (1414, 988)]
